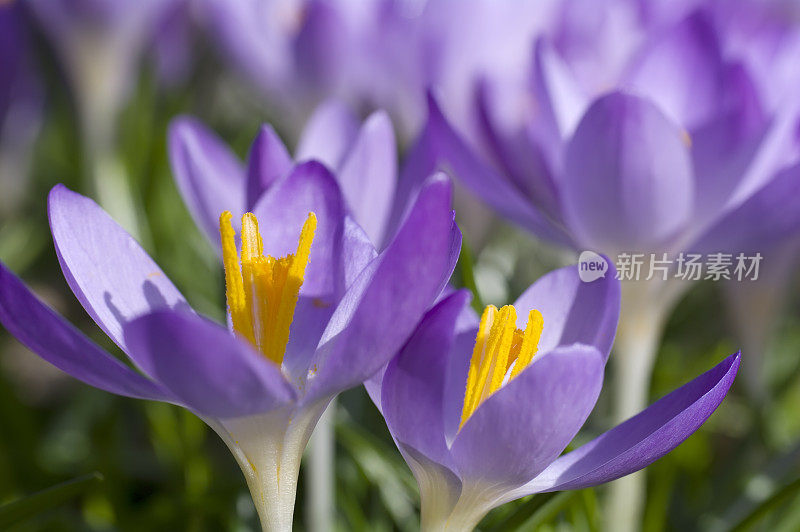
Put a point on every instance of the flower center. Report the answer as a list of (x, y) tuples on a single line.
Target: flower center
[(501, 352), (262, 293)]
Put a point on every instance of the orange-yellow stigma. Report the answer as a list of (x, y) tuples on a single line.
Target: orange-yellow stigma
[(262, 293), (501, 352)]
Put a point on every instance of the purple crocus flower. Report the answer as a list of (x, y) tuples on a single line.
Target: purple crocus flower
[(100, 43), (303, 327), (693, 154), (501, 439), (362, 157)]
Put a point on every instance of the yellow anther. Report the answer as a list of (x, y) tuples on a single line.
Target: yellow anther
[(478, 354), (530, 341), (498, 346), (263, 293), (252, 244), (234, 287)]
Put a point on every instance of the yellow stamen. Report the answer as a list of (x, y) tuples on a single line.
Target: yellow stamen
[(498, 346), (263, 293)]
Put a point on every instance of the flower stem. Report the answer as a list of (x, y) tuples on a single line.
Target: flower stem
[(98, 106), (320, 474), (645, 308)]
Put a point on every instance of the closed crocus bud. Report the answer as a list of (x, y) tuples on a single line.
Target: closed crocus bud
[(627, 183)]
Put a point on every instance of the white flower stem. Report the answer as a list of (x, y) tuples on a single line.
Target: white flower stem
[(106, 174), (645, 308), (268, 449), (319, 474)]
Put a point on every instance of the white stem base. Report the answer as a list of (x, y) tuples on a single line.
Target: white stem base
[(269, 448)]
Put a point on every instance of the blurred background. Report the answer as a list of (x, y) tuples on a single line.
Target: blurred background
[(87, 91)]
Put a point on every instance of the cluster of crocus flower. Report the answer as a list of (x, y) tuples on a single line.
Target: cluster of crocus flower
[(480, 409), (336, 264)]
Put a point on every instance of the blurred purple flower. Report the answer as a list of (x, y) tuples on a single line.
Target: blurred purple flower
[(100, 43), (682, 156), (509, 446), (355, 309), (362, 158), (377, 54), (20, 105)]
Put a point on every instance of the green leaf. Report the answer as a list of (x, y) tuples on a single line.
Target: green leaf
[(21, 509), (537, 511), (465, 266)]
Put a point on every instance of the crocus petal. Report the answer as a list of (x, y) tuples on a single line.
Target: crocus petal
[(380, 310), (458, 371), (111, 275), (559, 99), (519, 430), (682, 71), (368, 175), (573, 311), (413, 385), (210, 178), (519, 157), (54, 339), (283, 210), (724, 148), (439, 486), (268, 160), (768, 217), (206, 367), (445, 145), (642, 439), (319, 47), (328, 134), (628, 181), (312, 314)]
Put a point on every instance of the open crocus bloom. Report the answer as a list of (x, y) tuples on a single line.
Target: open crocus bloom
[(481, 411), (314, 311)]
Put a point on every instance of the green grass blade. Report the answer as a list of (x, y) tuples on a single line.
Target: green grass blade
[(47, 499), (763, 509)]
